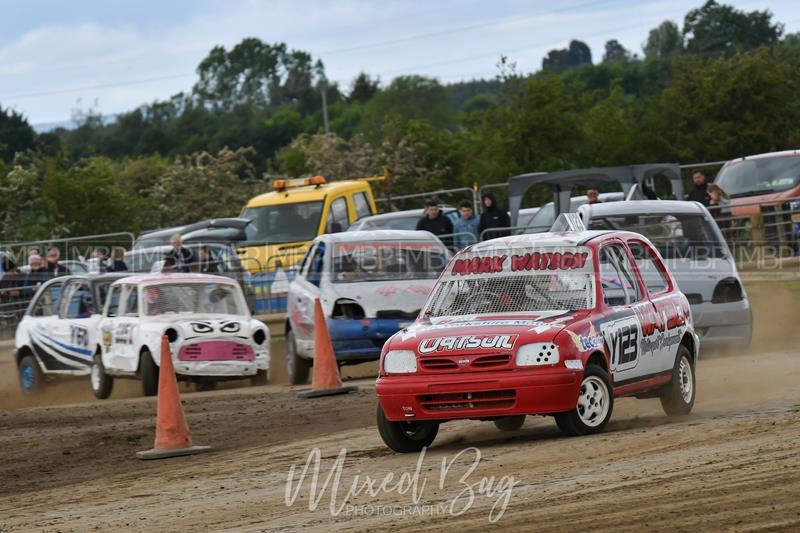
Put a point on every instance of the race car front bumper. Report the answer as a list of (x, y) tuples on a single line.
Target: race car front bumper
[(362, 340), (231, 369), (478, 395)]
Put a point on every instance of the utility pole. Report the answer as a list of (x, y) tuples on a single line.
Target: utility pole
[(325, 107)]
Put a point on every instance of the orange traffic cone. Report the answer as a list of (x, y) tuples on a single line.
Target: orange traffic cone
[(172, 432), (325, 380)]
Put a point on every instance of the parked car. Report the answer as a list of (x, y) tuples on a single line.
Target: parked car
[(211, 334), (767, 184), (694, 250), (403, 220), (230, 230), (57, 335), (370, 284), (224, 262), (546, 216), (549, 324)]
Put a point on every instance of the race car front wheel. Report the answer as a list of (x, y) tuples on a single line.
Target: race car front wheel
[(595, 403), (406, 437), (677, 396), (297, 367), (31, 379), (148, 373), (101, 383), (510, 423)]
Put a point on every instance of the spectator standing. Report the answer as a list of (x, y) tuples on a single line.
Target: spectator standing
[(117, 261), (436, 222), (492, 218), (179, 258), (12, 281), (207, 263), (719, 206), (53, 266), (700, 191), (466, 226), (593, 196), (37, 275)]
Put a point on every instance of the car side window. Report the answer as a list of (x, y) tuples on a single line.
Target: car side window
[(112, 307), (47, 304), (315, 267), (132, 301), (650, 267), (362, 205), (616, 276), (80, 302), (338, 219)]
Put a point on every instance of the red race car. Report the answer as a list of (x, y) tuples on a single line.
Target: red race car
[(556, 323)]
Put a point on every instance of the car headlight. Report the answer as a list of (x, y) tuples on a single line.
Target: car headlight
[(399, 362), (538, 353)]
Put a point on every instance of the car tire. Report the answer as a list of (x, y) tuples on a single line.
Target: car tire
[(677, 396), (31, 378), (510, 423), (102, 384), (406, 437), (148, 373), (260, 378), (595, 404), (297, 367), (205, 386)]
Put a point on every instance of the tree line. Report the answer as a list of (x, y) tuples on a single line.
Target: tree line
[(725, 84)]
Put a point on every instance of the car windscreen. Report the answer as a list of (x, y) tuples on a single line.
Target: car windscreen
[(760, 176), (281, 223), (221, 259), (193, 297), (677, 236), (519, 280), (387, 261)]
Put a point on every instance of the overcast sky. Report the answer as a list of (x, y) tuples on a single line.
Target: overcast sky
[(112, 55)]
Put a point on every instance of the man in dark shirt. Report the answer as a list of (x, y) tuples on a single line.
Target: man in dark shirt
[(179, 259), (53, 266), (436, 222), (700, 191), (492, 218)]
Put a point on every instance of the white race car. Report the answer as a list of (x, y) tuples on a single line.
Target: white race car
[(58, 334), (205, 318), (371, 284)]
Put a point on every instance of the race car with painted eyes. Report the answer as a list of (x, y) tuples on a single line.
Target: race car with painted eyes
[(212, 336), (557, 324)]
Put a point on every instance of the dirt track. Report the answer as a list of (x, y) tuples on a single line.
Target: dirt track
[(734, 463)]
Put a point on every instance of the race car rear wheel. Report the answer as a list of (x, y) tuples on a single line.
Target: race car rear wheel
[(101, 382), (595, 403), (406, 437), (148, 373), (677, 396), (510, 423), (260, 378), (297, 367), (31, 379)]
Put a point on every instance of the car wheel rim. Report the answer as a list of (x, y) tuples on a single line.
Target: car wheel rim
[(27, 378), (593, 401), (95, 376), (685, 380)]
